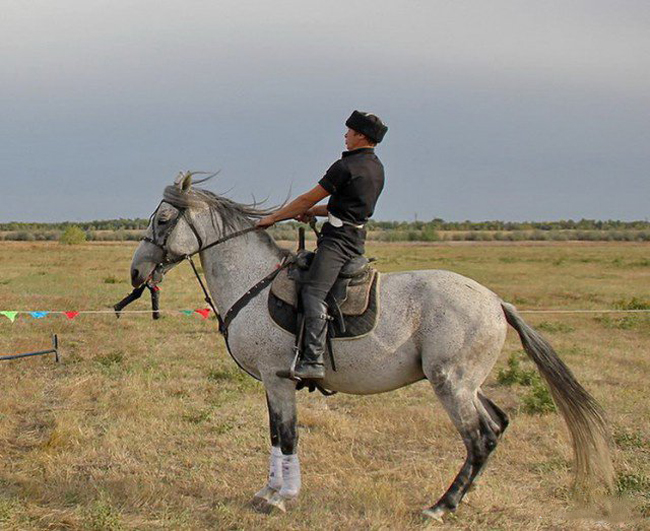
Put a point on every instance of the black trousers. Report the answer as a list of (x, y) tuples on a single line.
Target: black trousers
[(335, 247)]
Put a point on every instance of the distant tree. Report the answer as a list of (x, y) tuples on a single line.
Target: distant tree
[(72, 235)]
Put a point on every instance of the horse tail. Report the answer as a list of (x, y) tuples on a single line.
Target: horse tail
[(584, 417)]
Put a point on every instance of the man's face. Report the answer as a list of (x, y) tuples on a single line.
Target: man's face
[(353, 140)]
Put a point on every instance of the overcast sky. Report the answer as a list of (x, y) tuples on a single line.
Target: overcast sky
[(514, 110)]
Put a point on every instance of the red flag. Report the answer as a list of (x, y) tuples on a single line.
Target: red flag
[(204, 312), (71, 315)]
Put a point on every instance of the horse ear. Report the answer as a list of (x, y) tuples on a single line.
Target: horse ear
[(184, 181)]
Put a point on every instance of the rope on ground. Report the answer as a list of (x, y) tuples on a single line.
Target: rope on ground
[(583, 311)]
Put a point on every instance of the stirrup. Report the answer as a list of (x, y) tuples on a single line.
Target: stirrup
[(307, 367), (290, 374)]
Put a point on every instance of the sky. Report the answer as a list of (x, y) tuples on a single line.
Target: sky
[(512, 110)]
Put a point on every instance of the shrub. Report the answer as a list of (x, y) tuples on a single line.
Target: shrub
[(24, 236), (538, 400), (514, 374), (430, 235), (632, 304), (73, 235)]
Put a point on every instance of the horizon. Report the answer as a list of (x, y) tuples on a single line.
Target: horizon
[(440, 220)]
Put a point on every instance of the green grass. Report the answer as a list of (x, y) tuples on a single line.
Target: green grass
[(101, 515), (633, 482), (555, 327)]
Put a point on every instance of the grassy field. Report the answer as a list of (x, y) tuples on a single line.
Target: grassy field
[(150, 425)]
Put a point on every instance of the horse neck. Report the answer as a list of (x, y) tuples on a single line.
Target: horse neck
[(235, 266)]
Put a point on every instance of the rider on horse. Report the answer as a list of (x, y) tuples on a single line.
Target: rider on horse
[(353, 183)]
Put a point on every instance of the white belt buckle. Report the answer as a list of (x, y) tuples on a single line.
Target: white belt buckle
[(333, 220)]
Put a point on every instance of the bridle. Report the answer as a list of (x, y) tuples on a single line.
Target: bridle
[(182, 214), (169, 261)]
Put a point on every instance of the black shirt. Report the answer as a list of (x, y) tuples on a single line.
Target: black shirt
[(355, 182)]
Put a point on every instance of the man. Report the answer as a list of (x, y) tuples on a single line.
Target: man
[(353, 183)]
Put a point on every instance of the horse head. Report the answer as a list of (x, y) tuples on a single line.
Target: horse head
[(171, 235)]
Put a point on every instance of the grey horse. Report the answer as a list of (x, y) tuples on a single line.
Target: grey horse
[(434, 325)]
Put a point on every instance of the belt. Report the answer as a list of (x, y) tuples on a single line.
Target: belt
[(338, 222)]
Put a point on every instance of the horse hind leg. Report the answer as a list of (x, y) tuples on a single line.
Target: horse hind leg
[(499, 419), (479, 422)]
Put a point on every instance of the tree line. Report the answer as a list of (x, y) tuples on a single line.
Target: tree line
[(423, 231), (373, 225)]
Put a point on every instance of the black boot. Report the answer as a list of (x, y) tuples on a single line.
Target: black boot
[(311, 364)]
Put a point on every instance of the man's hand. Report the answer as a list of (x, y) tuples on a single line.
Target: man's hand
[(266, 222), (305, 217)]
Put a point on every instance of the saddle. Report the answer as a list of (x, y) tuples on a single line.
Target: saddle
[(353, 301)]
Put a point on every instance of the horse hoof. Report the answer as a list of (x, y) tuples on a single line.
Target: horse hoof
[(435, 513), (279, 503), (276, 503), (263, 496)]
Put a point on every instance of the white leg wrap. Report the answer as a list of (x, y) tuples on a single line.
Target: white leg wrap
[(275, 468), (290, 476)]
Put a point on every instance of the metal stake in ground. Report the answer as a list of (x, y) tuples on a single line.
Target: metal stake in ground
[(54, 350)]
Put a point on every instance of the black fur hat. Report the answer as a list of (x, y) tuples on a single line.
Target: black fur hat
[(367, 124)]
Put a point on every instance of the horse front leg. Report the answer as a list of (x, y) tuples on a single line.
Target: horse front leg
[(274, 481), (283, 484)]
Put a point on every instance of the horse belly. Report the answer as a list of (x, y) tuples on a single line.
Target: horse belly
[(369, 366), (389, 357)]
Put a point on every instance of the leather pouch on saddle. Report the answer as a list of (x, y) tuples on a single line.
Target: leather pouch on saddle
[(352, 301)]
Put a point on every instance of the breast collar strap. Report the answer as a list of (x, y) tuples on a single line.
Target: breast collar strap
[(240, 304)]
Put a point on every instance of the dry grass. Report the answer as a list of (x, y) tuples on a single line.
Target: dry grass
[(149, 425)]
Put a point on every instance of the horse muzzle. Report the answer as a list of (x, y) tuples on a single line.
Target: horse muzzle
[(141, 273)]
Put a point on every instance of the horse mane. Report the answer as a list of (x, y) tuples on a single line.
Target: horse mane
[(234, 216)]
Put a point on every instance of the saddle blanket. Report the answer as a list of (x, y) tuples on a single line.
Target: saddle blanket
[(360, 307)]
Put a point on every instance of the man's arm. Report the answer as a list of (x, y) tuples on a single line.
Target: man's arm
[(300, 205), (318, 210)]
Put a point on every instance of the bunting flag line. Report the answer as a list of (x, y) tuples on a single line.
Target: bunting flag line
[(204, 312), (71, 314), (10, 315)]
